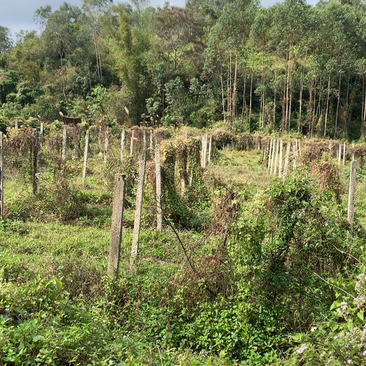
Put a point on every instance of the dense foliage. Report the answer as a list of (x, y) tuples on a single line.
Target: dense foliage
[(287, 67)]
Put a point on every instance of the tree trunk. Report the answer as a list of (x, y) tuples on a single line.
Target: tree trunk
[(337, 109), (327, 108), (233, 98), (300, 101)]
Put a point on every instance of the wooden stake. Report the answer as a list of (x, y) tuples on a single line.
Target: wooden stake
[(351, 193), (159, 212), (116, 227), (85, 156), (139, 199)]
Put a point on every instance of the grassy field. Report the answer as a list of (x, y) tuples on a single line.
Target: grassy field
[(58, 307)]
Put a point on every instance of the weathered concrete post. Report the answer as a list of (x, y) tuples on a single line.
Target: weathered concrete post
[(138, 210), (274, 144), (159, 213), (131, 142), (209, 150), (116, 227), (34, 160), (276, 158), (106, 145), (122, 143), (269, 154), (63, 155), (86, 150), (287, 158), (204, 152), (280, 160), (99, 135), (351, 193)]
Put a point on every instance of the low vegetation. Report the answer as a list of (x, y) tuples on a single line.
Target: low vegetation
[(249, 269)]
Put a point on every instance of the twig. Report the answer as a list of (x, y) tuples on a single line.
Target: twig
[(349, 254), (331, 284)]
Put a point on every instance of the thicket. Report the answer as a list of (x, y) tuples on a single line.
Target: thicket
[(237, 276)]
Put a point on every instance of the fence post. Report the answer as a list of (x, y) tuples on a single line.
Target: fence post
[(276, 157), (78, 128), (1, 175), (63, 156), (131, 142), (351, 193), (106, 144), (209, 150), (122, 144), (280, 160), (34, 160), (287, 157), (139, 199), (159, 213), (116, 227), (99, 134), (273, 156), (86, 149), (269, 154), (204, 152), (339, 154)]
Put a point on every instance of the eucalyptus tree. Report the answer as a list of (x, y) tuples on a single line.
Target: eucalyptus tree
[(5, 39), (290, 24), (95, 11), (227, 39)]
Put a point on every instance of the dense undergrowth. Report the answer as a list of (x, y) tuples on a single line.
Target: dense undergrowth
[(239, 275)]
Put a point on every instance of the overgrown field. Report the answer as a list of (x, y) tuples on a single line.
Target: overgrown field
[(249, 269)]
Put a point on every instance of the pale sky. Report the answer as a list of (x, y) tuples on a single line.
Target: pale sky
[(18, 14)]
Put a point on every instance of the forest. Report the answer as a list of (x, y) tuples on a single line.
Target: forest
[(288, 67)]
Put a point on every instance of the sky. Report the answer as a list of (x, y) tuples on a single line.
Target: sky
[(18, 14)]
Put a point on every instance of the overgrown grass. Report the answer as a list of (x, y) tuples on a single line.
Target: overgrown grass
[(199, 293)]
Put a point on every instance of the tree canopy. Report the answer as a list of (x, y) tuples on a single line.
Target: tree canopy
[(288, 67)]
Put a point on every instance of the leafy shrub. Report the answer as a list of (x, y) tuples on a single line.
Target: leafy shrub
[(285, 247)]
